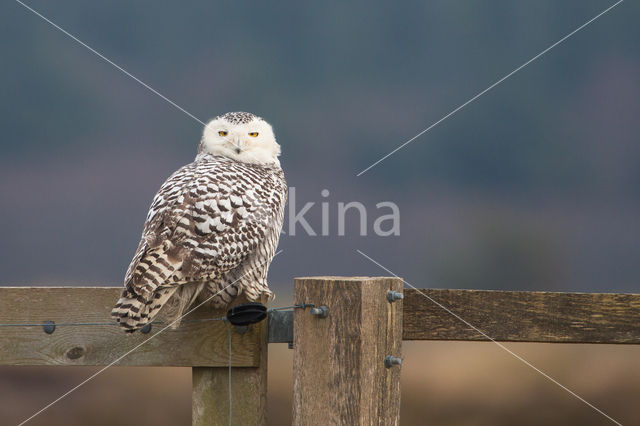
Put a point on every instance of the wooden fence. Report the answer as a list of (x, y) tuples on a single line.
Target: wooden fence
[(343, 373)]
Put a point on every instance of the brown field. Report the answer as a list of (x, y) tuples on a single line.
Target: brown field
[(443, 383)]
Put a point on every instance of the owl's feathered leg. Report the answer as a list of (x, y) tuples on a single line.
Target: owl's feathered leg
[(184, 297), (133, 311)]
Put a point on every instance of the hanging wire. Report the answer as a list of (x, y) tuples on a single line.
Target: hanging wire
[(81, 324), (292, 307), (89, 324), (230, 360), (63, 324)]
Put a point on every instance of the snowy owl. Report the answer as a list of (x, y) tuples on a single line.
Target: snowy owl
[(212, 228)]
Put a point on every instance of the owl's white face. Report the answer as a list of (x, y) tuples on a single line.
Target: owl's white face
[(242, 137)]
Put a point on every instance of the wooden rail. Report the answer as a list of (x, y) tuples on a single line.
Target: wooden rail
[(340, 374), (192, 344), (522, 316)]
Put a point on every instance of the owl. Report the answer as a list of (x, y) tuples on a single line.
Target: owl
[(212, 228)]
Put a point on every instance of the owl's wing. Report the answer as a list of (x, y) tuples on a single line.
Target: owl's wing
[(206, 219)]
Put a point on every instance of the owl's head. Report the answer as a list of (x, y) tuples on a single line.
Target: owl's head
[(241, 136)]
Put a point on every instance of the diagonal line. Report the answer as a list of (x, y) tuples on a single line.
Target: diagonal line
[(111, 62), (497, 343), (140, 344), (490, 87)]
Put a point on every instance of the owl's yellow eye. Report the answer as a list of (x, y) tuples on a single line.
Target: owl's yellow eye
[(223, 133), (253, 134)]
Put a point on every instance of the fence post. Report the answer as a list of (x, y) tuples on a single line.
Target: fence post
[(339, 368), (210, 390)]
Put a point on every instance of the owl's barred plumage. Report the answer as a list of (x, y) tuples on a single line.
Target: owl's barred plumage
[(212, 228)]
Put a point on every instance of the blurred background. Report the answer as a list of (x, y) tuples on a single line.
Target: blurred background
[(534, 186)]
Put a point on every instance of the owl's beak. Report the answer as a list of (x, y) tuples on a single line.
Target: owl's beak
[(236, 146)]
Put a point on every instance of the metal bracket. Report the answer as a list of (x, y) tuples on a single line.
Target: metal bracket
[(280, 327)]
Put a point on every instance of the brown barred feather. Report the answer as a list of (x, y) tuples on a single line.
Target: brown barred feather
[(214, 222)]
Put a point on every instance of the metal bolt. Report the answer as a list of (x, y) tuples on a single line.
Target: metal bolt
[(49, 327), (320, 312), (146, 329), (392, 296), (390, 361)]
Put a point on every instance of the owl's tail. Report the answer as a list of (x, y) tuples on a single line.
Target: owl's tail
[(133, 311)]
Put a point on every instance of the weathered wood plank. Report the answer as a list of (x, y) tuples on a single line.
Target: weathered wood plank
[(191, 344), (339, 371), (523, 316), (210, 390)]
